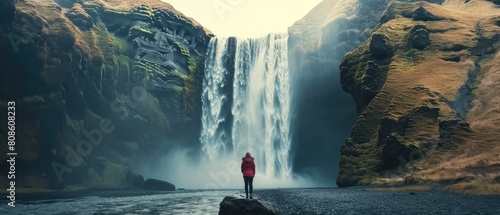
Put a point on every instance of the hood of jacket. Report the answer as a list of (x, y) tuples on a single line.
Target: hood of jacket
[(247, 160)]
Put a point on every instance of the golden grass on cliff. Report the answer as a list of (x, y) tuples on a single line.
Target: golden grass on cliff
[(481, 157), (473, 166)]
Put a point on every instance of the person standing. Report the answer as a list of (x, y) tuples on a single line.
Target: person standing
[(248, 170)]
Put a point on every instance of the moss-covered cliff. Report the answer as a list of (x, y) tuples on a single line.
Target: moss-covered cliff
[(421, 84), (99, 86), (317, 43)]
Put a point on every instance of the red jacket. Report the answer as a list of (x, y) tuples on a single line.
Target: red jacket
[(248, 166)]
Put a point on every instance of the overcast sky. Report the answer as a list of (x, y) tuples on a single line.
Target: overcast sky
[(245, 18)]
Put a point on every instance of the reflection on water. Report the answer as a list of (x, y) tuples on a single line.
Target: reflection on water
[(113, 202)]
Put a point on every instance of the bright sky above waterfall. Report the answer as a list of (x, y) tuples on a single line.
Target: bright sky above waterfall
[(245, 18)]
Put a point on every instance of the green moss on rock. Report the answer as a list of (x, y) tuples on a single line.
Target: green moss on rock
[(192, 64), (113, 13), (183, 49), (107, 174), (137, 31), (142, 13), (81, 55)]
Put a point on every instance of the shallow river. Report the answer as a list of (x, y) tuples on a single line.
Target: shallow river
[(289, 201)]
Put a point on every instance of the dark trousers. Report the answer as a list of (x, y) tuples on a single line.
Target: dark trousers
[(248, 184)]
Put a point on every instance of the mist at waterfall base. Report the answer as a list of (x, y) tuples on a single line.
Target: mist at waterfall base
[(179, 168), (247, 107)]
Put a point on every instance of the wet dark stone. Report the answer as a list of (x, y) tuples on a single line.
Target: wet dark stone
[(232, 205), (159, 185), (135, 180)]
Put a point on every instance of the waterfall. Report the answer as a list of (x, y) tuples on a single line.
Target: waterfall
[(212, 138), (246, 102)]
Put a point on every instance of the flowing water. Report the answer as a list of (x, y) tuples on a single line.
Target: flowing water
[(213, 137), (117, 202), (288, 201), (246, 102)]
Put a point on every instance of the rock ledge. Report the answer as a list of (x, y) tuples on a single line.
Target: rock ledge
[(237, 204)]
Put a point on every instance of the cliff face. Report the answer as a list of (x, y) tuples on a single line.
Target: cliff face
[(324, 111), (99, 86), (423, 89)]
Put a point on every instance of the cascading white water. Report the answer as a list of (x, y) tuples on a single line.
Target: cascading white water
[(260, 104), (213, 98)]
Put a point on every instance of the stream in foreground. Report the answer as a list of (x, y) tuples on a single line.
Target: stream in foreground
[(289, 201)]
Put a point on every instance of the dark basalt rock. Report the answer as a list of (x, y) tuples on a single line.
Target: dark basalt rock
[(233, 205), (135, 180), (155, 184), (421, 14), (379, 47), (371, 69), (73, 80), (419, 37), (396, 153), (364, 79)]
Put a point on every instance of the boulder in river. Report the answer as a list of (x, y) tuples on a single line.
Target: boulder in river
[(159, 185), (135, 180), (234, 205)]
